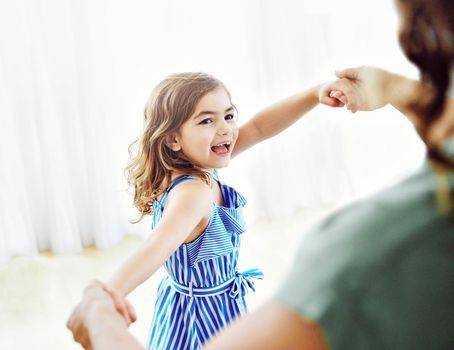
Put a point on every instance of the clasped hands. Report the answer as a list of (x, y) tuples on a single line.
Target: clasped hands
[(358, 89), (99, 302)]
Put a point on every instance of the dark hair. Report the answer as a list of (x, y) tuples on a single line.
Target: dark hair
[(427, 38)]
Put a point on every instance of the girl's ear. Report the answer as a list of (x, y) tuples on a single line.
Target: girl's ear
[(173, 143)]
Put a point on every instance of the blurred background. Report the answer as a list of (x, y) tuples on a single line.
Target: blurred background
[(74, 78)]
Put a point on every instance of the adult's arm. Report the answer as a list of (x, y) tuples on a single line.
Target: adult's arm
[(273, 326), (369, 88)]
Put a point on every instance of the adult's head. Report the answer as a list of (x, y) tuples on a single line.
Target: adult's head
[(426, 34)]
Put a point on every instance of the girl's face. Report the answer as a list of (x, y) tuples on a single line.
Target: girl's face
[(207, 138)]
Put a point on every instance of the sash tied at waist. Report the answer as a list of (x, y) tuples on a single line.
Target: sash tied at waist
[(237, 286)]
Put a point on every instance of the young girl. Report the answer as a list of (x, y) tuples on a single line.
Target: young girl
[(190, 131)]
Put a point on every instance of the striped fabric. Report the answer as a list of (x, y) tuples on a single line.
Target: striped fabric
[(203, 290)]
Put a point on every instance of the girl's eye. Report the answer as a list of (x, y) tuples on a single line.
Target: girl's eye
[(229, 117), (206, 121)]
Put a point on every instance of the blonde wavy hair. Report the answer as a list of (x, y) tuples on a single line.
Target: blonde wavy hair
[(152, 161)]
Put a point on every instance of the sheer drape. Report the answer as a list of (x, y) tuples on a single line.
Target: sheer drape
[(74, 77), (60, 117)]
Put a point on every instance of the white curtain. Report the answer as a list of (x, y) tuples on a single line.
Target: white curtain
[(75, 74), (59, 172)]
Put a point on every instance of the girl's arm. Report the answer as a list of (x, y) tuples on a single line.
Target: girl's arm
[(275, 118), (187, 207)]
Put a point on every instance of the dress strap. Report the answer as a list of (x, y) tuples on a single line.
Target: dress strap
[(215, 175), (174, 183)]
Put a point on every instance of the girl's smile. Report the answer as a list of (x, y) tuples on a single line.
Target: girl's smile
[(222, 149)]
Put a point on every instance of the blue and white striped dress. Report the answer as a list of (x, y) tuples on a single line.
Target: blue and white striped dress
[(203, 290)]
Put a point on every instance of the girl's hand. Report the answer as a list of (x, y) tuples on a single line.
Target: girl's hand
[(330, 95), (122, 305)]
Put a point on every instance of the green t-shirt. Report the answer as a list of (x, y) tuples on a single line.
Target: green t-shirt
[(379, 274)]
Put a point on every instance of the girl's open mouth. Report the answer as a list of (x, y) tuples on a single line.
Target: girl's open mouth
[(221, 149)]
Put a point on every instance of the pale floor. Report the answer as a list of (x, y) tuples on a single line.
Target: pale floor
[(38, 294)]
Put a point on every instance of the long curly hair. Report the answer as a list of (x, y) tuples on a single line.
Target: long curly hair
[(427, 39), (152, 162)]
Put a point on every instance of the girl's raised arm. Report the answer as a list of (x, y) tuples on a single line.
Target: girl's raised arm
[(188, 205), (275, 118)]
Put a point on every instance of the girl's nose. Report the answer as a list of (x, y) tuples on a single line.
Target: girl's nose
[(223, 131), (224, 128)]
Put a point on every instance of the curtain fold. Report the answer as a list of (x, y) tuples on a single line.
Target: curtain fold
[(60, 108)]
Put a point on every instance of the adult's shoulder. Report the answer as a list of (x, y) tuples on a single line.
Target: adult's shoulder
[(353, 270), (352, 243)]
